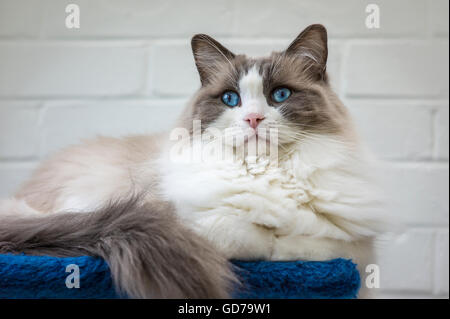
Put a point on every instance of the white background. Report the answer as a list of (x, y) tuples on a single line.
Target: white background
[(129, 69)]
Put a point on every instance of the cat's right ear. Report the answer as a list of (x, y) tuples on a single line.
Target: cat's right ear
[(312, 43), (208, 53)]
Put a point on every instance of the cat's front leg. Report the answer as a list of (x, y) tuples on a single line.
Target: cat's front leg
[(235, 237), (301, 247)]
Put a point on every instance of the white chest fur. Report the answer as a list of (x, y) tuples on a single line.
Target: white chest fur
[(262, 211)]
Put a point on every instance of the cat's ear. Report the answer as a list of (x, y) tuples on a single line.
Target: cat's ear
[(312, 44), (208, 53)]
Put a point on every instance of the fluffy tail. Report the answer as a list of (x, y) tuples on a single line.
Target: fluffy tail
[(150, 254)]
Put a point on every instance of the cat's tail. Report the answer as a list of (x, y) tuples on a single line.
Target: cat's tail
[(149, 252)]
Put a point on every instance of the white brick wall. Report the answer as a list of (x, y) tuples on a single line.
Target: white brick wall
[(71, 69), (129, 69), (397, 69)]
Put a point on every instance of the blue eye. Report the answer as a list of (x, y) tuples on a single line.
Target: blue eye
[(231, 98), (281, 94)]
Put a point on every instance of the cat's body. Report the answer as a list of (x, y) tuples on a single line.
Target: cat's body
[(314, 203), (272, 211)]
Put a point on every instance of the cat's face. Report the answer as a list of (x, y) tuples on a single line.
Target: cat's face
[(287, 91)]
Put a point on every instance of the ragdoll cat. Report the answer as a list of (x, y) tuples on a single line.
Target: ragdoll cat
[(166, 219)]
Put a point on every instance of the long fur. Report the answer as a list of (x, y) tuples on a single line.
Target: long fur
[(149, 253)]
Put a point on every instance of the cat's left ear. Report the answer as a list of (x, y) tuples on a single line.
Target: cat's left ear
[(312, 44), (208, 53)]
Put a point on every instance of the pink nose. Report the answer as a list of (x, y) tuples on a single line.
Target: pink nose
[(254, 119)]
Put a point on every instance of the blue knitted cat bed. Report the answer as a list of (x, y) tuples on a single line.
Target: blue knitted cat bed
[(45, 277)]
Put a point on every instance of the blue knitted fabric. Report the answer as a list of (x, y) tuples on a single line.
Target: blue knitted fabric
[(44, 277)]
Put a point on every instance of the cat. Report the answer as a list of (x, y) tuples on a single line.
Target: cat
[(298, 182)]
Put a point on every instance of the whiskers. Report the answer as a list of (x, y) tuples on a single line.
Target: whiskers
[(291, 137), (276, 137)]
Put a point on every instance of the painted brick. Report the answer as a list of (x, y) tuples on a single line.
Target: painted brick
[(19, 130), (394, 130), (442, 133), (156, 18), (406, 261), (63, 69), (20, 18), (417, 193), (441, 264), (343, 18), (68, 122), (397, 69), (170, 60), (439, 16)]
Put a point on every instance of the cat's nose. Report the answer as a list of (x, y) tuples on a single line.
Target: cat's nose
[(254, 119)]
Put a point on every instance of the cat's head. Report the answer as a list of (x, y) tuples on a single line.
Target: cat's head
[(287, 91)]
